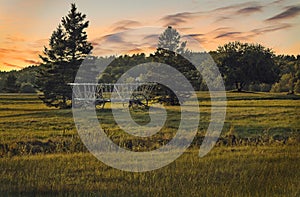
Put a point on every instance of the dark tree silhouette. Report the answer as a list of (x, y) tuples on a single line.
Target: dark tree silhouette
[(10, 84), (243, 63), (173, 52), (68, 46), (184, 66)]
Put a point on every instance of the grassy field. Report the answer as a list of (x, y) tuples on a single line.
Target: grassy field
[(41, 153)]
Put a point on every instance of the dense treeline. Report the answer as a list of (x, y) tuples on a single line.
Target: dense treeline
[(22, 81), (287, 75)]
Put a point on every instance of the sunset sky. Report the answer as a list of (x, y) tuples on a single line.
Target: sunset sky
[(26, 25)]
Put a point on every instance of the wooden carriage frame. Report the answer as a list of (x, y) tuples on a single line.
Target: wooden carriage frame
[(98, 94)]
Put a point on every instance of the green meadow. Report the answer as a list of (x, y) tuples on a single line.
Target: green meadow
[(42, 154)]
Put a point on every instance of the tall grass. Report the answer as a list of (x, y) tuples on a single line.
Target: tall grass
[(252, 171)]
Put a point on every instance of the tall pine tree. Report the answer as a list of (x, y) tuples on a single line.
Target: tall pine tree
[(172, 51), (170, 40), (68, 46)]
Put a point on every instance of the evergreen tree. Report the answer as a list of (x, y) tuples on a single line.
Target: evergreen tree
[(173, 52), (68, 46), (170, 40)]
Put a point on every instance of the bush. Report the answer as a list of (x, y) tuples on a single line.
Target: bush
[(254, 87), (297, 86), (265, 87), (285, 84), (275, 87), (27, 88)]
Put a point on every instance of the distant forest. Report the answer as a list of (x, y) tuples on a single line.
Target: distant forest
[(287, 76)]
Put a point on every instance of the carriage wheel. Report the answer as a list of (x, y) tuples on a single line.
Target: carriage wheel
[(74, 103), (77, 103), (86, 104), (100, 104), (138, 101)]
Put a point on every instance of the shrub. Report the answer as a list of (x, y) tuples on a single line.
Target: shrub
[(265, 87), (297, 86), (275, 88), (285, 84), (254, 87), (27, 88)]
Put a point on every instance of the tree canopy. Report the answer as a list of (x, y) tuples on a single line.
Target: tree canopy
[(243, 63)]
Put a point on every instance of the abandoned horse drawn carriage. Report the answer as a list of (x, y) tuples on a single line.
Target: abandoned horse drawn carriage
[(136, 95)]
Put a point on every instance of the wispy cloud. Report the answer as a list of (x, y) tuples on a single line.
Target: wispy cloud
[(246, 35), (250, 10), (221, 19), (234, 7), (5, 51), (124, 25), (11, 51), (39, 43), (115, 43), (228, 34), (219, 31), (109, 38), (103, 51), (194, 35), (15, 39), (272, 28), (12, 65), (277, 2), (29, 61), (219, 14), (152, 38), (290, 12), (113, 38), (177, 19)]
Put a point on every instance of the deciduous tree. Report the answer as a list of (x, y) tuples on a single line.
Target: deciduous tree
[(243, 63)]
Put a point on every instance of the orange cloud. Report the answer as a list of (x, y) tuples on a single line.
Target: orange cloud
[(34, 62), (15, 38), (13, 65)]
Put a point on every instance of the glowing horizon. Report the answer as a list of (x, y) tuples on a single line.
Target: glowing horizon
[(26, 26)]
